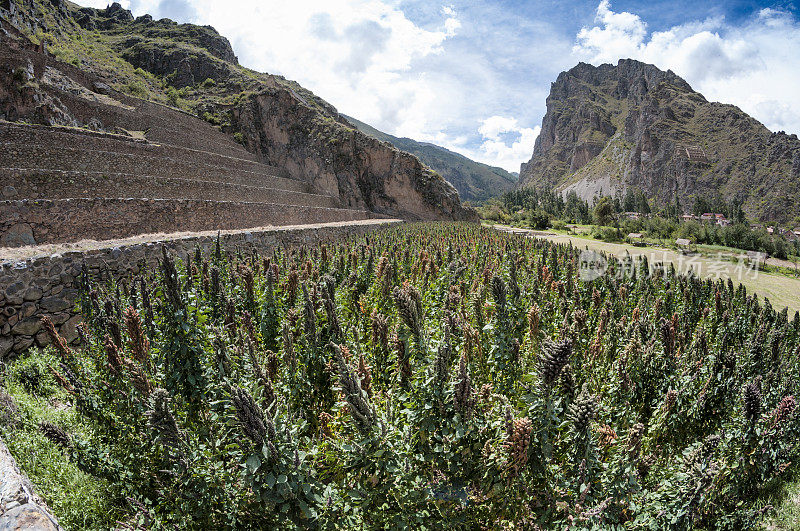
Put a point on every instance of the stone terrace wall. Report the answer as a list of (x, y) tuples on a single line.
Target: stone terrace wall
[(55, 184), (164, 124), (27, 134), (43, 154), (27, 222), (45, 285)]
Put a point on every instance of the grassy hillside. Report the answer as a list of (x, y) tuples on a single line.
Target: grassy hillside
[(474, 181)]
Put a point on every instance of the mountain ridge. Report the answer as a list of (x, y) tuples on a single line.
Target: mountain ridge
[(632, 125), (194, 69), (475, 181)]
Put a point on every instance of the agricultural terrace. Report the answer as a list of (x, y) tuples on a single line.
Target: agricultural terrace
[(427, 376)]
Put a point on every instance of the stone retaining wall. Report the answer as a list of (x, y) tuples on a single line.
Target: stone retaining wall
[(45, 284), (26, 134), (146, 162), (56, 184), (29, 222)]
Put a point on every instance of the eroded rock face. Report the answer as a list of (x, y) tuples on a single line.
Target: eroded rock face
[(315, 144), (22, 97), (184, 68), (633, 125)]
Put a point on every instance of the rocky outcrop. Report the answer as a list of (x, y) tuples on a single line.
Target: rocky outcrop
[(181, 65), (610, 128), (184, 54), (474, 181), (20, 508), (312, 141)]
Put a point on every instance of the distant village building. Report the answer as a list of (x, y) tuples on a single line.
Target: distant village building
[(632, 215), (637, 239), (717, 219), (689, 217)]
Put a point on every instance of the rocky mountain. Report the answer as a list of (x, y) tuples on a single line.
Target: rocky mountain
[(194, 69), (473, 180), (610, 128)]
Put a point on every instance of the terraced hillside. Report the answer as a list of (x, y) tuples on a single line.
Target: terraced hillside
[(88, 153)]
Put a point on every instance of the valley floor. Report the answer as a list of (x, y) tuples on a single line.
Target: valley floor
[(781, 291)]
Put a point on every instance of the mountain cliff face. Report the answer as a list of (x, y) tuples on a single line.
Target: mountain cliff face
[(610, 128), (473, 180), (195, 69), (280, 125)]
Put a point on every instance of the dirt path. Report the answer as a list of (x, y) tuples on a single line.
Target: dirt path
[(781, 291), (24, 253)]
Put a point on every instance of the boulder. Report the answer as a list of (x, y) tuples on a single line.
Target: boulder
[(32, 294), (54, 304), (20, 508), (18, 235), (69, 330), (27, 327), (22, 344), (28, 516), (6, 344)]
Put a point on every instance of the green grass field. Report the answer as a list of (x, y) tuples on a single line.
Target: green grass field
[(782, 291)]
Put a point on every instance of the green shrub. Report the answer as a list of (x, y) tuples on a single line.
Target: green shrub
[(137, 88), (32, 374), (173, 96), (607, 234), (79, 500), (538, 219), (213, 119)]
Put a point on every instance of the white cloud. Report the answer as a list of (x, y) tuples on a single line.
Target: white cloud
[(504, 143), (358, 54), (752, 65)]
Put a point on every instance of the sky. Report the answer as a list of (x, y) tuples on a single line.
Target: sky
[(473, 75)]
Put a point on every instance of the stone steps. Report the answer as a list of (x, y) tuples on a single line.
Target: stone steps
[(56, 184), (29, 222)]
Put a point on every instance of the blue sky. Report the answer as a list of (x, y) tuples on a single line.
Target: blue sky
[(473, 75)]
